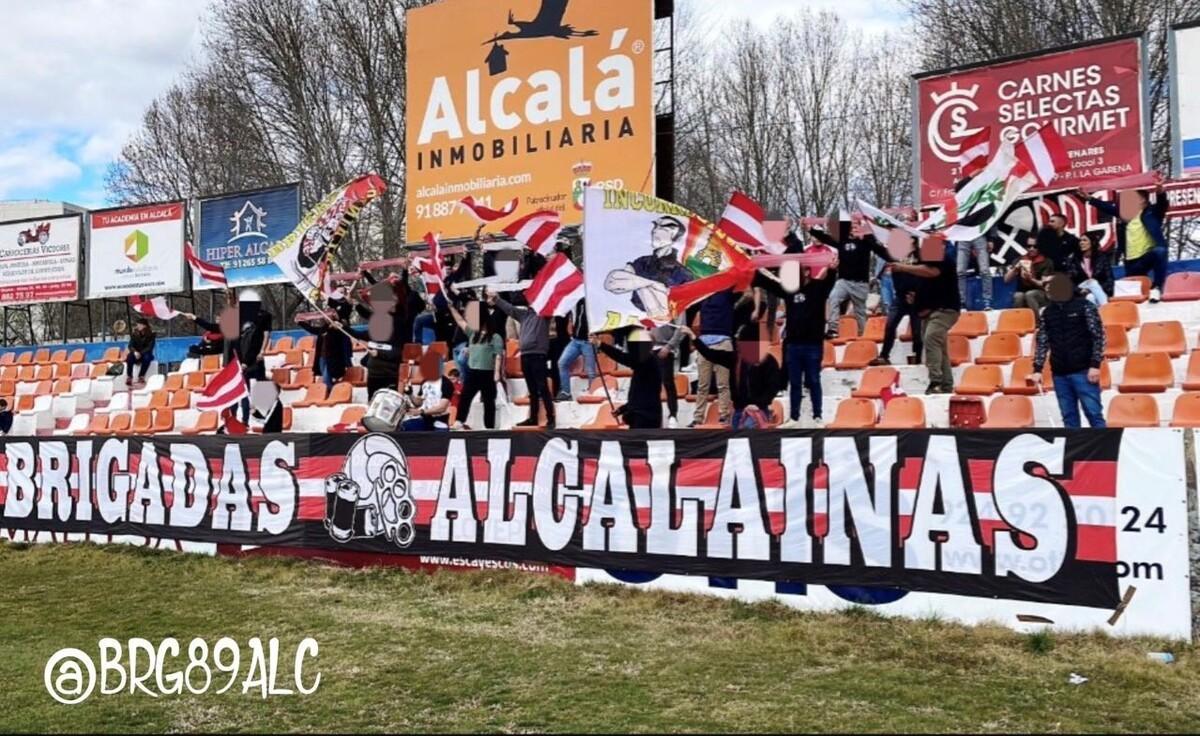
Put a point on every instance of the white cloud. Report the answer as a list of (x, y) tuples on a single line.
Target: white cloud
[(34, 165), (869, 16)]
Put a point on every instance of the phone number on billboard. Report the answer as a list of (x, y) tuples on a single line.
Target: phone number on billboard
[(437, 209)]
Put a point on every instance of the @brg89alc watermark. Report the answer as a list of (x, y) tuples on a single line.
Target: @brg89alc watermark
[(72, 676)]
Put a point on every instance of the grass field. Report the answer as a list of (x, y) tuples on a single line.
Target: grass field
[(512, 652)]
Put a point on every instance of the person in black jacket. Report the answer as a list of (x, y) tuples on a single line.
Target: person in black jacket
[(141, 351), (804, 337), (1091, 270), (853, 273), (389, 328), (334, 350), (643, 409), (904, 304), (6, 418), (1055, 243), (756, 376), (254, 339), (1071, 331)]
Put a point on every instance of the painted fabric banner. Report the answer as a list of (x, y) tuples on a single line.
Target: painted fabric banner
[(1020, 516), (235, 231)]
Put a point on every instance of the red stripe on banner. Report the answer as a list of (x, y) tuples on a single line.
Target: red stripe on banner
[(910, 472), (1092, 478), (1096, 543), (980, 472), (771, 472), (319, 466)]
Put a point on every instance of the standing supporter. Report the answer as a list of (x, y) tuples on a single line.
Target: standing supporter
[(1056, 243), (534, 344), (803, 338), (978, 250), (485, 356), (757, 377), (1072, 333), (904, 304), (333, 349), (386, 335), (1142, 239), (716, 332), (666, 339), (642, 409), (141, 351), (938, 303), (253, 341), (578, 347), (853, 273), (1031, 273), (560, 338), (1091, 270)]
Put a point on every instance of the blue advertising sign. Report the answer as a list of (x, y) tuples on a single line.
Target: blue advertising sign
[(235, 231)]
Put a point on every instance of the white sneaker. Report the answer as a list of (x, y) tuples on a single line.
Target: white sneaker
[(1155, 296), (672, 423), (818, 422), (791, 424)]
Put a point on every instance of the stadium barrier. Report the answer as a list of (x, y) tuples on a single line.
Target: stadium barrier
[(1068, 528)]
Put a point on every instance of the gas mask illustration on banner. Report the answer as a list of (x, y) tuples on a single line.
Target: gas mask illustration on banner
[(372, 495)]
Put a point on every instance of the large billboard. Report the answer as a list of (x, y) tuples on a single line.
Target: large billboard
[(135, 250), (235, 231), (39, 260), (1185, 75), (529, 99), (1093, 94)]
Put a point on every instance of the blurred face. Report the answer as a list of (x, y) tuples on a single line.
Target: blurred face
[(1059, 223), (1085, 244), (1144, 198)]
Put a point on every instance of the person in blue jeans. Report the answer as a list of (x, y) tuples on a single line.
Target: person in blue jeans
[(141, 351), (1072, 333), (803, 338), (1141, 240), (578, 347)]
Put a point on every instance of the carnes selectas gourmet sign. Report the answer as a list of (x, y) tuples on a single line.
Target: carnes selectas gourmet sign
[(1092, 94), (529, 99), (1021, 516)]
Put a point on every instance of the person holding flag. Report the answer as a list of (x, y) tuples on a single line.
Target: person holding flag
[(853, 272), (534, 346)]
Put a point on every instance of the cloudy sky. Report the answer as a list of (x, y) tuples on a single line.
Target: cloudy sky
[(76, 75)]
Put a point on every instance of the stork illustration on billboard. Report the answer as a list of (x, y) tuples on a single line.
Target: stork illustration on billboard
[(547, 24)]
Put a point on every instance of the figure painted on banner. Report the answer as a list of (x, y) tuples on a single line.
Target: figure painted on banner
[(6, 418), (1141, 240), (313, 247), (1091, 270), (1071, 333), (649, 278), (642, 408), (372, 494), (141, 351)]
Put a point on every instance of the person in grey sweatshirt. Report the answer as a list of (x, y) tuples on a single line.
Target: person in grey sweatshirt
[(534, 345)]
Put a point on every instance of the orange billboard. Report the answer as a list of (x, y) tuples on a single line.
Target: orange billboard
[(533, 100)]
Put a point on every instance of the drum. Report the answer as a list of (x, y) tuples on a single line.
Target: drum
[(386, 411)]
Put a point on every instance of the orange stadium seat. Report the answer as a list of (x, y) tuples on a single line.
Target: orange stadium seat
[(1143, 293), (304, 378), (512, 366), (62, 386), (854, 414), (1116, 342), (1000, 349), (960, 350), (314, 395), (1182, 287), (306, 344), (181, 399), (342, 393), (78, 355), (282, 345), (595, 391), (351, 420), (512, 348), (858, 354), (1191, 382), (120, 423), (8, 388), (195, 381), (164, 422), (99, 370), (281, 375), (441, 348), (25, 358), (970, 324), (1147, 373), (58, 356), (412, 353), (1162, 337), (206, 423), (113, 355), (356, 376), (1133, 411), (45, 372), (143, 423), (1187, 411), (25, 402), (42, 356), (173, 382), (1120, 314), (981, 380), (98, 425), (1020, 321), (293, 358), (8, 358), (604, 419), (847, 331), (210, 363), (1010, 412), (159, 399), (875, 328), (61, 370), (828, 355), (904, 412), (874, 380), (28, 373)]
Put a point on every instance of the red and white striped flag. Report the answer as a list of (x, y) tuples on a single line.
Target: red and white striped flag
[(156, 307), (557, 288), (742, 221), (224, 389), (976, 150), (537, 232), (432, 271), (484, 215), (209, 272), (1044, 154)]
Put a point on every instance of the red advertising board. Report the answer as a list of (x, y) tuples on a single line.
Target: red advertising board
[(1091, 94), (1184, 197)]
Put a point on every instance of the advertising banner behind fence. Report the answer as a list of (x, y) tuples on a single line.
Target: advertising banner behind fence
[(39, 260), (526, 99), (235, 231), (1092, 94), (135, 250), (1039, 519), (1185, 107)]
